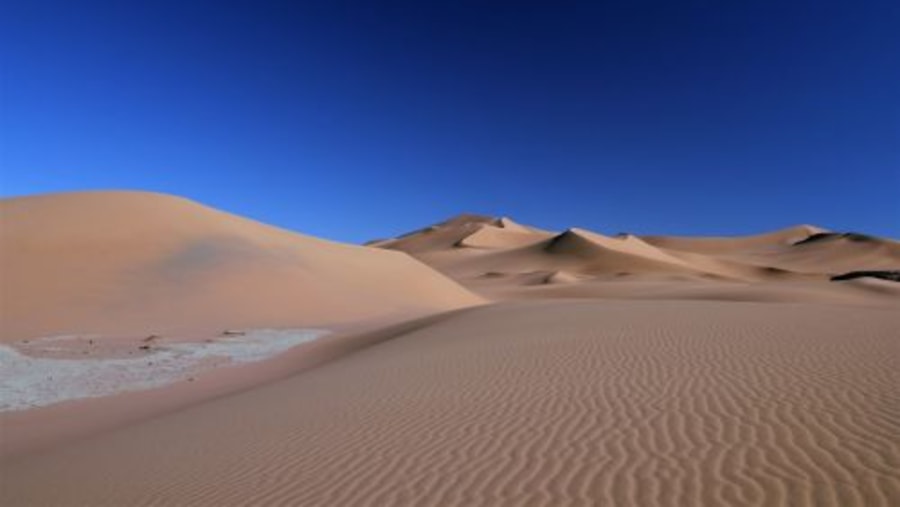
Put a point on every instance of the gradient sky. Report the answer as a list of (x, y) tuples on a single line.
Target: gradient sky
[(357, 120)]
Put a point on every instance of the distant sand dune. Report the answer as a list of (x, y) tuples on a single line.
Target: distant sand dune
[(545, 403), (496, 237), (802, 253), (474, 231), (724, 245), (603, 253), (842, 254), (803, 249)]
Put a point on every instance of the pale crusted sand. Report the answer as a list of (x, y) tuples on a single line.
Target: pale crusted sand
[(60, 373), (543, 403)]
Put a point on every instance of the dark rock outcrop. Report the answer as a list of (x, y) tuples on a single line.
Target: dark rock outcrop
[(893, 276)]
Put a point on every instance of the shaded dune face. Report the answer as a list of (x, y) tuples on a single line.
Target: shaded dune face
[(606, 253), (499, 255), (832, 236), (842, 253), (544, 403), (135, 262)]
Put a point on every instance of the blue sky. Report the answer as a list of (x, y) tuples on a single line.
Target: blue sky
[(356, 120)]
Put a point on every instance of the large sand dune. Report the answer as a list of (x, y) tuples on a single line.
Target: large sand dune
[(139, 263), (545, 403)]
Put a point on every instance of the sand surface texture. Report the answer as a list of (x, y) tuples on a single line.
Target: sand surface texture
[(542, 403)]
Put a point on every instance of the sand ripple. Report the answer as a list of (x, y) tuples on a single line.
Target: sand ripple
[(563, 403)]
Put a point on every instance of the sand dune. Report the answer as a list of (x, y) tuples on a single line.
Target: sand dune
[(131, 262), (802, 249), (515, 258), (610, 370), (467, 230), (839, 254), (544, 403), (604, 253), (499, 237)]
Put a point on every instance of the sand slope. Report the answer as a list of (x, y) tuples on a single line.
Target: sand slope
[(134, 262), (543, 403)]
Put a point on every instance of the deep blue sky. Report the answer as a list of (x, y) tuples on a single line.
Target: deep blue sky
[(355, 120)]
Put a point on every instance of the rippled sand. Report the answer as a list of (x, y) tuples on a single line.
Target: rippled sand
[(539, 403)]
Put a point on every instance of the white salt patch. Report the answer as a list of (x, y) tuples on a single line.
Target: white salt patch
[(27, 381)]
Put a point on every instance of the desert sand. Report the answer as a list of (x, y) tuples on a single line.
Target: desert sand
[(505, 365)]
